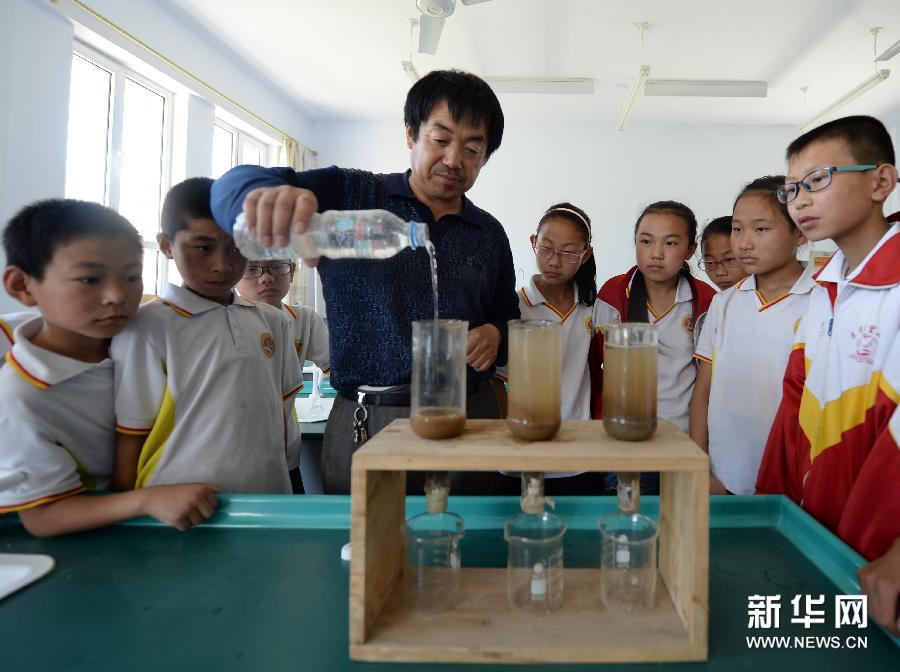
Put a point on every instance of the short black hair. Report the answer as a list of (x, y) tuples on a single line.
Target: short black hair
[(720, 226), (469, 98), (186, 200), (866, 137), (37, 231), (768, 186)]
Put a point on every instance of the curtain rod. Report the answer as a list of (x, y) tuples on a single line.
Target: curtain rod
[(194, 78)]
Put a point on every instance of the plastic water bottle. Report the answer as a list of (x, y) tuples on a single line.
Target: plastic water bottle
[(340, 234)]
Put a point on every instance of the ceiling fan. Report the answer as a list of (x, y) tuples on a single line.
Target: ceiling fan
[(434, 12)]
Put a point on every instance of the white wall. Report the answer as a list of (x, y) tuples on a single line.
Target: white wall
[(35, 65), (611, 175)]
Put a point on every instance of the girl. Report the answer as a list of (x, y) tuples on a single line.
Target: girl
[(661, 290), (719, 261), (563, 291), (747, 337)]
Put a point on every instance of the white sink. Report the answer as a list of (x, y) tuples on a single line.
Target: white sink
[(18, 570)]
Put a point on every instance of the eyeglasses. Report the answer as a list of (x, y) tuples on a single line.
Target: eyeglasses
[(545, 252), (273, 269), (817, 180), (730, 262)]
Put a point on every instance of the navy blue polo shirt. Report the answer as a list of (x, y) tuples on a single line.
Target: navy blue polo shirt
[(372, 303)]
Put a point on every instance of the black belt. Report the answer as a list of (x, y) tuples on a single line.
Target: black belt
[(397, 396)]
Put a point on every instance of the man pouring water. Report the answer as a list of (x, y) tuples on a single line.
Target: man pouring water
[(453, 125)]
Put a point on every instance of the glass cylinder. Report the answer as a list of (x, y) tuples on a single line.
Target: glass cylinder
[(438, 394), (628, 563), (431, 576), (534, 569), (534, 369), (629, 380)]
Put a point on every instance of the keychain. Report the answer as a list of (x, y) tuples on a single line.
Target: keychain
[(360, 433)]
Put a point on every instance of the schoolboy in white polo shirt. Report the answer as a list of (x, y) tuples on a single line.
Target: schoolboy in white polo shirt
[(81, 264), (205, 380), (746, 339), (268, 281)]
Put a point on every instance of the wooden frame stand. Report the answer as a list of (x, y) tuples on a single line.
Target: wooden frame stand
[(482, 627)]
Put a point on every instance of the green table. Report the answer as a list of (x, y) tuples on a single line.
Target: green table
[(261, 587)]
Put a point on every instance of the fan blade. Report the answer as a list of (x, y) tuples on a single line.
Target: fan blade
[(429, 34), (473, 2), (890, 52)]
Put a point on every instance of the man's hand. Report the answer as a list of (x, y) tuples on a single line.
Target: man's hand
[(273, 212), (181, 506), (482, 346), (880, 581), (716, 487)]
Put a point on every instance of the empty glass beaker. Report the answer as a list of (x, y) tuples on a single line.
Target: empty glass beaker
[(534, 370), (438, 394), (431, 575), (629, 380), (628, 562), (534, 538)]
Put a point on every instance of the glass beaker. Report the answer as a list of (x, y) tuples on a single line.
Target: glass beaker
[(431, 576), (629, 380), (628, 562), (534, 543), (438, 394), (534, 370)]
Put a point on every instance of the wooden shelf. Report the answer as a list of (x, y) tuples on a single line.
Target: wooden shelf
[(482, 627)]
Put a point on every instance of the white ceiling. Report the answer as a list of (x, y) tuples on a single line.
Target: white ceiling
[(340, 59)]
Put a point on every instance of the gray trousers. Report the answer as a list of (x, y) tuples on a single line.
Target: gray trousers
[(338, 448)]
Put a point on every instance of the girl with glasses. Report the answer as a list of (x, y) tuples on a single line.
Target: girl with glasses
[(720, 262), (563, 290), (661, 290), (746, 339)]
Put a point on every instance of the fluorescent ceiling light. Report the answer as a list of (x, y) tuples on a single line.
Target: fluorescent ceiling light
[(410, 71), (705, 88), (642, 75), (583, 85), (851, 95), (890, 52)]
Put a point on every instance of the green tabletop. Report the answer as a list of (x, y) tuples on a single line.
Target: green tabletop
[(261, 587)]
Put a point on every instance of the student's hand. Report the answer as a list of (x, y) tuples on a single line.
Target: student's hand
[(716, 487), (181, 506), (482, 347), (273, 212), (880, 581)]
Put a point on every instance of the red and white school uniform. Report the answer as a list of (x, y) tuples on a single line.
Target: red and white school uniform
[(833, 447)]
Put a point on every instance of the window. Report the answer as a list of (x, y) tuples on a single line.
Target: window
[(118, 145), (234, 147)]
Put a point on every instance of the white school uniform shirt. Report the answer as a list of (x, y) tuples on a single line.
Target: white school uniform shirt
[(676, 372), (56, 422), (212, 387), (310, 338), (747, 341), (8, 324)]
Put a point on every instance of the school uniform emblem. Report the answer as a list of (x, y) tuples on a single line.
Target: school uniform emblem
[(589, 325), (866, 339), (687, 324), (298, 345), (267, 343), (797, 324)]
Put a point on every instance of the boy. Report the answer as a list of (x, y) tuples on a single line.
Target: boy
[(80, 263), (205, 380), (269, 282), (834, 443)]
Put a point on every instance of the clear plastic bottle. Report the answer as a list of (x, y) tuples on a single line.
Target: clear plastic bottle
[(340, 234)]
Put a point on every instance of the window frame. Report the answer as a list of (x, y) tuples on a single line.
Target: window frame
[(121, 73), (239, 137)]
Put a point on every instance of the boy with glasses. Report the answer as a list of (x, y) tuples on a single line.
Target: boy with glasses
[(833, 447), (269, 282), (205, 380)]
